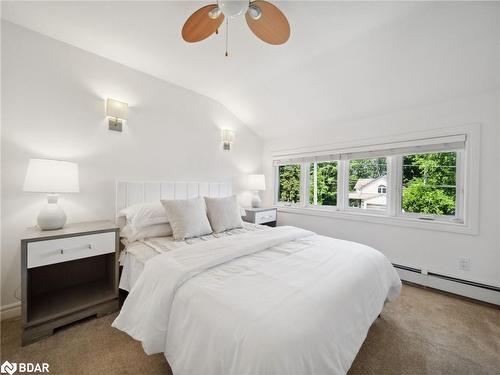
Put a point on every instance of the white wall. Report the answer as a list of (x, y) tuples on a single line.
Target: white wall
[(432, 250), (53, 106)]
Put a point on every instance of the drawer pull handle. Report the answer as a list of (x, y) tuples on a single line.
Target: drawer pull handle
[(89, 246)]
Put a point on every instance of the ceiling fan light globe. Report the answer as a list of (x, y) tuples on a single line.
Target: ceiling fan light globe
[(255, 12), (215, 13), (233, 8)]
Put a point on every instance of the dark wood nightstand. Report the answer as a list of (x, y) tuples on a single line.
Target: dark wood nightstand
[(67, 275), (261, 215)]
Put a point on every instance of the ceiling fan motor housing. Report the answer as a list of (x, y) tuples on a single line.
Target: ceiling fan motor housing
[(233, 8)]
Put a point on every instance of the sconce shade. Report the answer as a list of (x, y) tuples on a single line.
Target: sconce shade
[(227, 135), (227, 139), (51, 176), (256, 182), (117, 109)]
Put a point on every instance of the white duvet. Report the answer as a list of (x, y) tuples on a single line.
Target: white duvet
[(278, 301)]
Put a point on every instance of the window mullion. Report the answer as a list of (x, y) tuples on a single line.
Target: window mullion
[(399, 185), (276, 184), (315, 184), (394, 188), (304, 184), (342, 185), (390, 185), (459, 187)]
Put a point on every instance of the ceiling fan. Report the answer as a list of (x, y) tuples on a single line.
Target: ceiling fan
[(265, 20)]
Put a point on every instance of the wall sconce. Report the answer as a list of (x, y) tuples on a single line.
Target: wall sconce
[(116, 111), (227, 139)]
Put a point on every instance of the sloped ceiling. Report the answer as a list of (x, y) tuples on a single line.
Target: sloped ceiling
[(344, 59)]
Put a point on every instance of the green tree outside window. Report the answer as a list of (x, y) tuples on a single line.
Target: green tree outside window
[(289, 187), (429, 183), (326, 183)]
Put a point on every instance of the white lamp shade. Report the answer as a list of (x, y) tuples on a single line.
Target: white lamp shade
[(115, 108), (256, 182), (51, 176)]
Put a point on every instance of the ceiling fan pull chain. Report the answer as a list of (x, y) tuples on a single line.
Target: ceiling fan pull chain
[(227, 34)]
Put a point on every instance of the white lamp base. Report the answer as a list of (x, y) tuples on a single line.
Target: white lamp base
[(52, 215), (256, 201)]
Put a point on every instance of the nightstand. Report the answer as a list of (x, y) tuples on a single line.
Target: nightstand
[(261, 215), (67, 275)]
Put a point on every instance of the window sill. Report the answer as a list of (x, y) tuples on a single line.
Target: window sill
[(410, 222)]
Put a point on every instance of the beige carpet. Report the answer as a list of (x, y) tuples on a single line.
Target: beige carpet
[(423, 332)]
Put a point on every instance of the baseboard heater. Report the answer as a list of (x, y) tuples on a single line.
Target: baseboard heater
[(449, 278)]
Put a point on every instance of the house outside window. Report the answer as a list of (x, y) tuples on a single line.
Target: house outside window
[(369, 194), (365, 177)]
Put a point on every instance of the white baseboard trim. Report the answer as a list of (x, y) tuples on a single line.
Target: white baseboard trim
[(470, 291), (10, 311)]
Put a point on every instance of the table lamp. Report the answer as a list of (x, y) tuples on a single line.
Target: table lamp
[(51, 177), (256, 182)]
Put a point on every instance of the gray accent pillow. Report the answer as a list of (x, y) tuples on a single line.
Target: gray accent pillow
[(224, 213), (188, 218)]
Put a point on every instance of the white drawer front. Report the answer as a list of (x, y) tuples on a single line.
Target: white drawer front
[(265, 216), (42, 253)]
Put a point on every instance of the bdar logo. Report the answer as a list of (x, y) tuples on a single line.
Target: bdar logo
[(8, 367)]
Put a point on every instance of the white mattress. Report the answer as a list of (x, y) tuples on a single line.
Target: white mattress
[(133, 265), (136, 254)]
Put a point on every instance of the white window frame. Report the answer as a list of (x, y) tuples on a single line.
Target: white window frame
[(467, 179), (277, 188), (308, 185), (346, 188), (459, 187)]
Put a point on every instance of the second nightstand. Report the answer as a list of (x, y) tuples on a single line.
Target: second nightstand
[(261, 215)]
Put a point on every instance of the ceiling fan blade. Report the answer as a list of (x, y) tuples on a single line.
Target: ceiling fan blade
[(200, 26), (272, 26)]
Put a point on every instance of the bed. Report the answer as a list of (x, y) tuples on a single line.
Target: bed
[(261, 301)]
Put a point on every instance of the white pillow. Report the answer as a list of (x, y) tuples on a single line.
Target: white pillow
[(144, 214), (133, 234), (188, 218), (223, 213)]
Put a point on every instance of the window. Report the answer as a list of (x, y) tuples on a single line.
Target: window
[(365, 177), (323, 183), (289, 183), (429, 183), (420, 182)]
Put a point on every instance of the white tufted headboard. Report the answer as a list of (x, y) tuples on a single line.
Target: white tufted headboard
[(133, 192)]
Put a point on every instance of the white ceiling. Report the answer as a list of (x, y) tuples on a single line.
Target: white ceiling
[(343, 60)]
